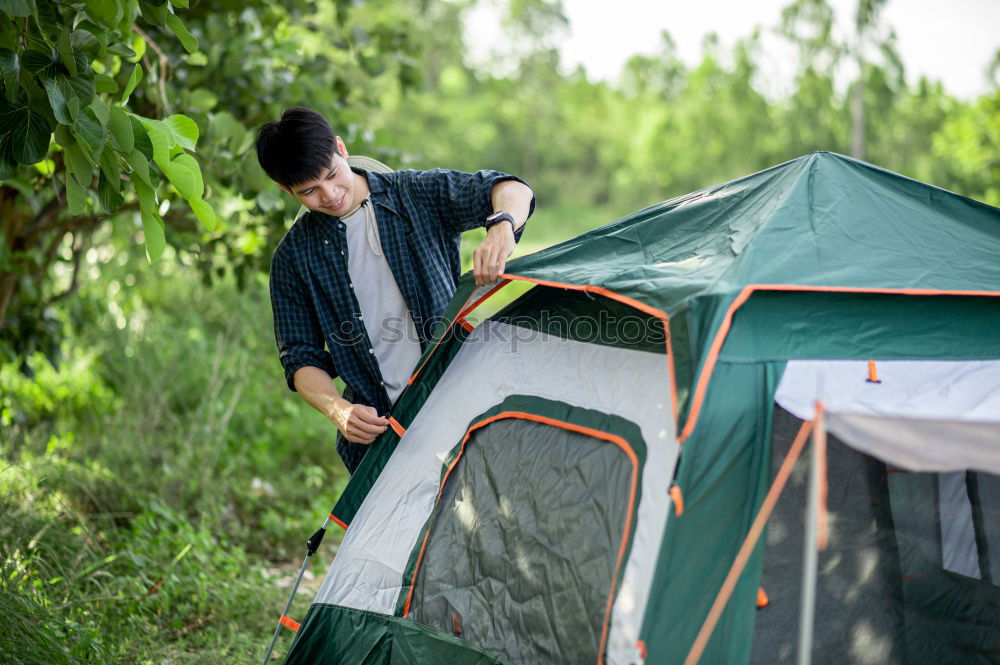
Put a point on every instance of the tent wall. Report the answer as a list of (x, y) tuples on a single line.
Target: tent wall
[(526, 543), (495, 362), (723, 473)]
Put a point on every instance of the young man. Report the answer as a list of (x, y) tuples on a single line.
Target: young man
[(369, 269)]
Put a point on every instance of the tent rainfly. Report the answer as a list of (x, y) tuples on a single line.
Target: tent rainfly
[(603, 471)]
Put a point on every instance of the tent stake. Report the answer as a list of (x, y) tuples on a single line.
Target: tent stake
[(311, 546), (810, 551)]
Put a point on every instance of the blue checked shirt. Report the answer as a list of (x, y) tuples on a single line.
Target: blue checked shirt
[(420, 216)]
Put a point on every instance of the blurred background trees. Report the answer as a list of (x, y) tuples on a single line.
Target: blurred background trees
[(155, 473)]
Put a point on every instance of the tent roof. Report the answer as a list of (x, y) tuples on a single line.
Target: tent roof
[(820, 220)]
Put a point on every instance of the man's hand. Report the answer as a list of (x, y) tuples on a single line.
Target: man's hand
[(357, 422), (490, 258)]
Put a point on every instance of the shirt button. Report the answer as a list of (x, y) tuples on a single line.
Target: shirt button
[(371, 350), (326, 242), (350, 286), (361, 317), (341, 252), (381, 383)]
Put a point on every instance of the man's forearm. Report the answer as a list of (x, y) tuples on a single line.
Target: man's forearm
[(514, 197), (317, 388)]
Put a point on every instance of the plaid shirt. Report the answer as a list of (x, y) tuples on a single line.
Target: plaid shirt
[(420, 217)]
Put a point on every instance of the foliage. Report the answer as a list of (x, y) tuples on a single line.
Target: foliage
[(93, 94), (147, 481)]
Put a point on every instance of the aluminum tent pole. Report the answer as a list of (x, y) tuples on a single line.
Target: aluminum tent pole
[(810, 546), (311, 546)]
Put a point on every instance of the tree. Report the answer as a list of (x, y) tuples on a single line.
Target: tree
[(90, 128)]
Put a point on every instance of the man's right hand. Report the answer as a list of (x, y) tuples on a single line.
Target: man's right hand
[(358, 423)]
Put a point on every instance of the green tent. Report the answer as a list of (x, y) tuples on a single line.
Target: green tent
[(571, 479)]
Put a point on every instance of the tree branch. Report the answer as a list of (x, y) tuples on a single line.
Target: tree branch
[(77, 259), (164, 62)]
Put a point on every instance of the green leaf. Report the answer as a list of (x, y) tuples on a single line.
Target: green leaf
[(188, 41), (142, 142), (202, 100), (146, 196), (8, 165), (184, 130), (154, 15), (184, 175), (106, 13), (120, 127), (88, 127), (83, 88), (122, 50), (76, 197), (161, 138), (105, 84), (77, 164), (29, 129), (198, 59), (65, 48), (86, 43), (183, 4), (37, 61), (59, 91), (109, 165), (203, 211), (140, 167), (133, 81), (109, 194), (17, 8), (100, 109), (152, 229), (10, 66)]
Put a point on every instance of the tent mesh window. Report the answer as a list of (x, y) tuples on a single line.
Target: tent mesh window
[(911, 572), (524, 543)]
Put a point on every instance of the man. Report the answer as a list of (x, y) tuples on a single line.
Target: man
[(370, 267)]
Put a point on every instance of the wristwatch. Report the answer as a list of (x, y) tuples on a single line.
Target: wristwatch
[(498, 217)]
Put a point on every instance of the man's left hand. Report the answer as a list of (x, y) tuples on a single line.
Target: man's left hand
[(490, 258)]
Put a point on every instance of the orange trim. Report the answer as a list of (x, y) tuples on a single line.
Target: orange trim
[(720, 335), (465, 324), (457, 623), (289, 622), (396, 427), (819, 449), (872, 372), (466, 308), (762, 599), (641, 646), (678, 498), (746, 549), (632, 302), (338, 522), (587, 431)]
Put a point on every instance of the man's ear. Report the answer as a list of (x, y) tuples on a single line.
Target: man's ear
[(341, 148)]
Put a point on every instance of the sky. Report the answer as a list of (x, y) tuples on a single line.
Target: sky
[(948, 40)]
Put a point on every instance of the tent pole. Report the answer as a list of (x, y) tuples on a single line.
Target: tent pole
[(311, 546), (810, 552)]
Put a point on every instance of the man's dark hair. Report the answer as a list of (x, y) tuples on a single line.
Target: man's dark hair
[(297, 147)]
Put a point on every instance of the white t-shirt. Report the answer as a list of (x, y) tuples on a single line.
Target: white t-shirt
[(387, 319)]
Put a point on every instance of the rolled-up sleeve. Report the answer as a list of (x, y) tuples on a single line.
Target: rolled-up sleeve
[(463, 200), (296, 330)]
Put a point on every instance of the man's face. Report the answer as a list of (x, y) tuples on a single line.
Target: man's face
[(335, 192)]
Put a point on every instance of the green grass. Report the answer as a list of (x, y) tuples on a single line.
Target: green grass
[(150, 479)]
